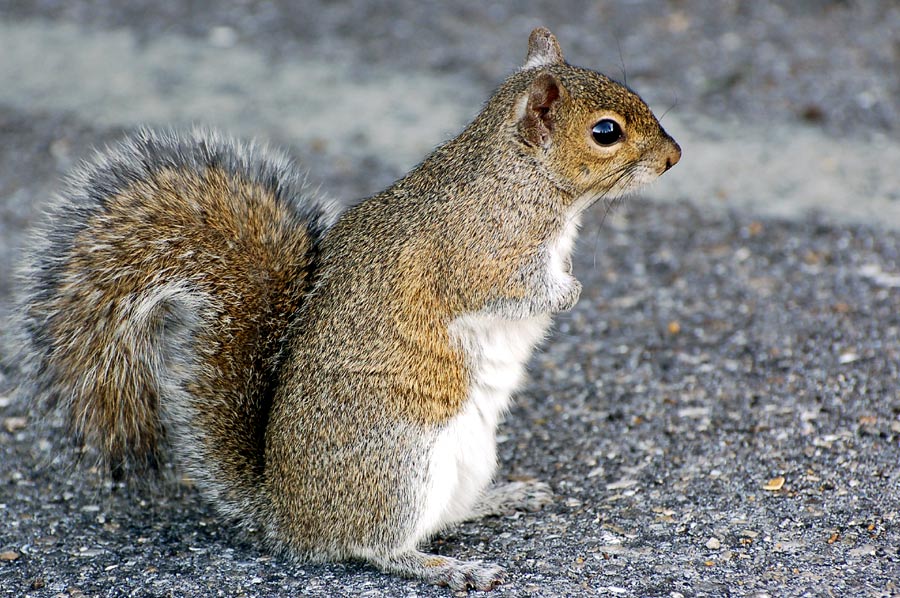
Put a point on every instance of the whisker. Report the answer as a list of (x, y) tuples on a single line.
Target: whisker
[(626, 173), (669, 109), (622, 62)]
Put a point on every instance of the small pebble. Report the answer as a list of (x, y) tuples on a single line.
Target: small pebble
[(14, 424), (865, 550), (774, 484)]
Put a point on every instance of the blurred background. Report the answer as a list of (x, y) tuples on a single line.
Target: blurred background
[(739, 322), (781, 107)]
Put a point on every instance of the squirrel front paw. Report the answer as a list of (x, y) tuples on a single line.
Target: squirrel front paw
[(568, 295)]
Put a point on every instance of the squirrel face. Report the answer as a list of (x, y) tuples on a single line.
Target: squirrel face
[(594, 137)]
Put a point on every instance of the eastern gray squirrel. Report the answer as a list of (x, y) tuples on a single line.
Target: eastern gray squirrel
[(332, 379)]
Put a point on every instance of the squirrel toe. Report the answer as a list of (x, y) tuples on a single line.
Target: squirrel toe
[(472, 575)]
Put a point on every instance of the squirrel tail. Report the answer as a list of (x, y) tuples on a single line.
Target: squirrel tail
[(156, 301)]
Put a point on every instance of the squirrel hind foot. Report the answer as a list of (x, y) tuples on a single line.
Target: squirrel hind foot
[(503, 499), (442, 571)]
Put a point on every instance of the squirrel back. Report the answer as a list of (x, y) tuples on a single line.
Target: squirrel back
[(164, 278), (335, 381)]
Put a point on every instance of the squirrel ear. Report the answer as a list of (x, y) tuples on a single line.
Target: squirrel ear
[(543, 49), (537, 123)]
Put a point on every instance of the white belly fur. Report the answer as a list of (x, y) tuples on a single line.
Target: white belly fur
[(464, 455), (464, 459)]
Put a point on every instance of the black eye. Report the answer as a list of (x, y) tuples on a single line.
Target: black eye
[(607, 132)]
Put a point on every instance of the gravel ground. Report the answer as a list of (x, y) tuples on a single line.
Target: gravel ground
[(718, 416)]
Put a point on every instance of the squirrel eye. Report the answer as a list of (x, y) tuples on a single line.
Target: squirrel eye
[(607, 132)]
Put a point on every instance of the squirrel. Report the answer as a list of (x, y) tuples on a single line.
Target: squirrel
[(331, 378)]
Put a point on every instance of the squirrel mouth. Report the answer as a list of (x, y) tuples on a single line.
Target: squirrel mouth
[(627, 180)]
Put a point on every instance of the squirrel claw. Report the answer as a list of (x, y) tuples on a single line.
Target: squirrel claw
[(473, 575)]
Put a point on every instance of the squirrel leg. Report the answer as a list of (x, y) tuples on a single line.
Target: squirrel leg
[(442, 570), (502, 499)]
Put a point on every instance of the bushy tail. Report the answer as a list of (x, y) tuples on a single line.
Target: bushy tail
[(157, 298)]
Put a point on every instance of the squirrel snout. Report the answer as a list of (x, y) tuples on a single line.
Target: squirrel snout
[(673, 156)]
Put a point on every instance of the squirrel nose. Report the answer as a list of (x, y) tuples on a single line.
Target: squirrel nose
[(674, 155)]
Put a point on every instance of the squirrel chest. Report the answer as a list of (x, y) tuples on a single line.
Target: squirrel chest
[(496, 349), (463, 457)]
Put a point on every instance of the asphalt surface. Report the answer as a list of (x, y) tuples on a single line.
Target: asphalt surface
[(720, 413)]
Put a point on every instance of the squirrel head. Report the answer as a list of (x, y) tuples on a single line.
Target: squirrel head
[(594, 137)]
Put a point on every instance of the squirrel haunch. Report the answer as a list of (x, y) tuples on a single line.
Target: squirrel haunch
[(333, 379)]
